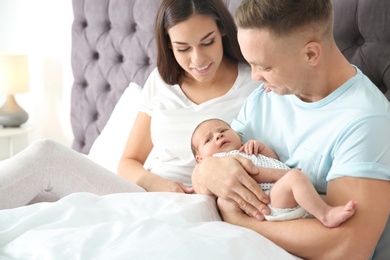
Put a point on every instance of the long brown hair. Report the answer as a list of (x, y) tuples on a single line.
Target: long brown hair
[(172, 12)]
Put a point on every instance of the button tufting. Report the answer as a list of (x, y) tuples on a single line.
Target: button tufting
[(96, 55), (133, 27), (84, 24), (358, 40), (96, 116), (84, 84)]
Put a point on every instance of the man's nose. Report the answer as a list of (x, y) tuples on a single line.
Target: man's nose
[(257, 75)]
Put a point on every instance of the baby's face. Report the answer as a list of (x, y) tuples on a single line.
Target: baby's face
[(215, 137)]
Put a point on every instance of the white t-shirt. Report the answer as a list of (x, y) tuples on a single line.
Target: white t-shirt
[(174, 117)]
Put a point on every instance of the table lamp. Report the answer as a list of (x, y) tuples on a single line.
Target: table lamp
[(14, 78)]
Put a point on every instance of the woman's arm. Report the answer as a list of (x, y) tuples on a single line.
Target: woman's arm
[(138, 147)]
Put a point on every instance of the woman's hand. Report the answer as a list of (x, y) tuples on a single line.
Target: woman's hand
[(171, 186), (157, 183), (228, 178)]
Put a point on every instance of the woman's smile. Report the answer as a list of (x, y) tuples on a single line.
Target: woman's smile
[(202, 70)]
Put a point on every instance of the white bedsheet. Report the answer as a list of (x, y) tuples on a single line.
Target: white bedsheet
[(128, 226)]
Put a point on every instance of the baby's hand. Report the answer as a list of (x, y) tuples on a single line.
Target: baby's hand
[(252, 147)]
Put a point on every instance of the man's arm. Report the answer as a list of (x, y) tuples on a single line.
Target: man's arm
[(307, 238)]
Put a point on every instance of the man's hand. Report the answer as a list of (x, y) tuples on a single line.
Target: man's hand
[(228, 210), (228, 178)]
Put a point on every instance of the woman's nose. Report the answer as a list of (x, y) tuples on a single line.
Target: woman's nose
[(197, 57)]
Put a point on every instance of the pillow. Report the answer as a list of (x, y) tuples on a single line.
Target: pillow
[(109, 145)]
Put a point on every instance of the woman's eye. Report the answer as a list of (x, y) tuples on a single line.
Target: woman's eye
[(208, 43), (183, 50)]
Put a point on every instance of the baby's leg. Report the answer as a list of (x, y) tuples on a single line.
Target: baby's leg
[(49, 168), (295, 188)]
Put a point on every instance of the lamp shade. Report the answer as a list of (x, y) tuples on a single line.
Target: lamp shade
[(14, 74)]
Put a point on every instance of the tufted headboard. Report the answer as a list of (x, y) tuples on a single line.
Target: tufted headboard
[(113, 45)]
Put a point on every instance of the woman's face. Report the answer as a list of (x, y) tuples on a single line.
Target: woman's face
[(197, 46)]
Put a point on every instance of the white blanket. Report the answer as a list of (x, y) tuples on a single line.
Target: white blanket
[(128, 226)]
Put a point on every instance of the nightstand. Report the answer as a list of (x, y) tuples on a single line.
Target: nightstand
[(13, 140)]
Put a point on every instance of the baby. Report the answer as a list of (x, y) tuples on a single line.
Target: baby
[(291, 193)]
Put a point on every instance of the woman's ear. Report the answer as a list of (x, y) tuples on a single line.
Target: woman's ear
[(223, 32)]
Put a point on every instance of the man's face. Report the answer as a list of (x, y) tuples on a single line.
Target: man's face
[(278, 62)]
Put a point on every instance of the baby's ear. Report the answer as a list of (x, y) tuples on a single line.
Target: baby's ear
[(198, 158)]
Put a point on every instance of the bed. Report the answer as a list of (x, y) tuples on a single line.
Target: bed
[(113, 52)]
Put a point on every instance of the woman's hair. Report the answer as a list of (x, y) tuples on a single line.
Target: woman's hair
[(172, 12), (283, 17)]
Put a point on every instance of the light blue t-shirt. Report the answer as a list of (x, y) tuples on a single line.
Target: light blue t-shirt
[(345, 134)]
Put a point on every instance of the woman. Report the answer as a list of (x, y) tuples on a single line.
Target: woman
[(200, 74)]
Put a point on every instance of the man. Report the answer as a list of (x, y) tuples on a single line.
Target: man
[(318, 113)]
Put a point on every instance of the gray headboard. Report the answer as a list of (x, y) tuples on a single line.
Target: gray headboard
[(113, 45)]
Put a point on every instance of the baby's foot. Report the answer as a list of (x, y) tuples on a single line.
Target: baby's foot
[(337, 215)]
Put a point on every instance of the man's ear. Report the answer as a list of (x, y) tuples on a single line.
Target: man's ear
[(313, 52)]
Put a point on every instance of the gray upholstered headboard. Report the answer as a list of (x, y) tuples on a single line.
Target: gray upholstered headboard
[(112, 45)]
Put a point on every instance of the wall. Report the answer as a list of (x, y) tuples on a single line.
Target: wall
[(42, 29)]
